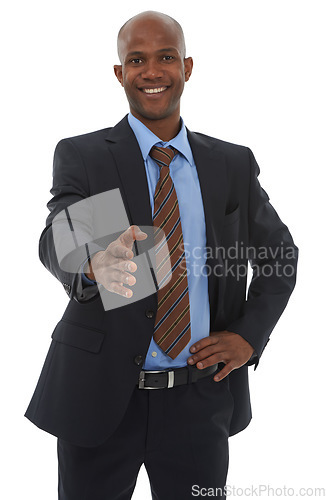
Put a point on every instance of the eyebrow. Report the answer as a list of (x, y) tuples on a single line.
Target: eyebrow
[(139, 52), (168, 49), (135, 53)]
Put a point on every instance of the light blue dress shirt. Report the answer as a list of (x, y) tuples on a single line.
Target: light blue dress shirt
[(185, 179)]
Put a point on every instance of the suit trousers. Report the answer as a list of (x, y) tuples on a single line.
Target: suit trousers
[(180, 434)]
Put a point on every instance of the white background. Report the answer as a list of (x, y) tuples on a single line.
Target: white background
[(258, 80)]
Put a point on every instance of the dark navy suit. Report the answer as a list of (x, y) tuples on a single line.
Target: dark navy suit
[(93, 364)]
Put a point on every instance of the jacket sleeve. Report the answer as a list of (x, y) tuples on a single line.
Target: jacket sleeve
[(67, 237), (273, 257)]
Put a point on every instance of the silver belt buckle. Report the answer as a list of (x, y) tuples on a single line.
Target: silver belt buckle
[(141, 382)]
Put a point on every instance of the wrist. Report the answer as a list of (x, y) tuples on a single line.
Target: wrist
[(89, 267)]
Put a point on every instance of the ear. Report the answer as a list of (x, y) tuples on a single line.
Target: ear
[(188, 65), (118, 72)]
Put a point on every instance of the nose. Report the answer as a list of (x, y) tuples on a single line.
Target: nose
[(152, 70)]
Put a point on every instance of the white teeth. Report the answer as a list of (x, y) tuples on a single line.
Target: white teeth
[(154, 91)]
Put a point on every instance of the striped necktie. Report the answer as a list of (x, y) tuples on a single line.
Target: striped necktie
[(172, 330)]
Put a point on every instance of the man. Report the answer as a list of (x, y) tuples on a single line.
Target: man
[(197, 332)]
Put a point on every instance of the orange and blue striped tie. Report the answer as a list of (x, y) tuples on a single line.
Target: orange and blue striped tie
[(172, 330)]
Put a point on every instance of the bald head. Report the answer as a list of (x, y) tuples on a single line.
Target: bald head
[(153, 70), (140, 21)]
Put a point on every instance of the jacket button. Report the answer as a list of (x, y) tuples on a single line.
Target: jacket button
[(149, 313), (138, 360)]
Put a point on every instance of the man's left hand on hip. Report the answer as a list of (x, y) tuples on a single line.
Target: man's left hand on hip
[(221, 347)]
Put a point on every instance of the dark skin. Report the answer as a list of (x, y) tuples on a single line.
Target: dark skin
[(151, 52)]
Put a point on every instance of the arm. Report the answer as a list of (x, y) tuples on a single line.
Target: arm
[(68, 245), (274, 276), (274, 269), (70, 186)]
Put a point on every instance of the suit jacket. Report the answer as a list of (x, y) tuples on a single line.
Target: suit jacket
[(95, 357)]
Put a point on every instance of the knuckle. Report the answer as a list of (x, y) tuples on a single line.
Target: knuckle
[(211, 349), (215, 358), (121, 249), (230, 366), (120, 276), (110, 248), (114, 286), (121, 264), (117, 288), (116, 250), (108, 286), (112, 275)]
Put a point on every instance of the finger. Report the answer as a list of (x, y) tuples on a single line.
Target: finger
[(123, 265), (126, 265), (118, 263), (118, 288), (205, 353), (112, 275), (224, 372), (210, 361), (202, 343), (130, 235), (120, 251)]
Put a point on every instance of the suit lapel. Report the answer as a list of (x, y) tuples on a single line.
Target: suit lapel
[(212, 174), (211, 169), (131, 170)]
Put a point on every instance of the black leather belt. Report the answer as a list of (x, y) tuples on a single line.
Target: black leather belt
[(163, 379)]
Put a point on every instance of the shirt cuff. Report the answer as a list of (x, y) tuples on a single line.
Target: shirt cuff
[(84, 277)]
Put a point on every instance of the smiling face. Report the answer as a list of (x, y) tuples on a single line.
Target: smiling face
[(153, 68)]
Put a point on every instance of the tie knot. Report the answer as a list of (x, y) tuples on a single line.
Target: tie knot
[(163, 156)]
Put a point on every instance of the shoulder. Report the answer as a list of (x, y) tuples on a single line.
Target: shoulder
[(88, 138), (229, 149), (219, 143), (83, 145)]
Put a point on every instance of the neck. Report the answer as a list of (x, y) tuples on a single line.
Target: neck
[(166, 128)]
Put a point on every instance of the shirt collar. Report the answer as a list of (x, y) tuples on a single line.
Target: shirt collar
[(146, 139)]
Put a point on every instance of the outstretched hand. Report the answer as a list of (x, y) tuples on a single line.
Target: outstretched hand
[(221, 347), (112, 267)]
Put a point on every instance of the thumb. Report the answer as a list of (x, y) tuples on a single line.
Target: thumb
[(137, 233)]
